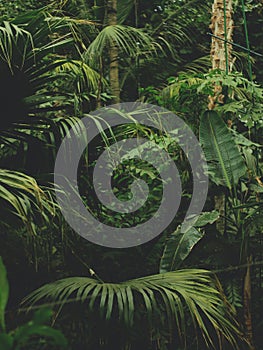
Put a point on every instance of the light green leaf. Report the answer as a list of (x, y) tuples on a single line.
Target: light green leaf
[(207, 218), (181, 295)]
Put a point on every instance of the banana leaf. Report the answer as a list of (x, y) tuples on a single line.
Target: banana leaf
[(180, 244), (225, 162)]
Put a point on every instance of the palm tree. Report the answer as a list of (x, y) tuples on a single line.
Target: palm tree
[(221, 55), (35, 106)]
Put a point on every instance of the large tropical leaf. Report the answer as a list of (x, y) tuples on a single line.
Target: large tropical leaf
[(180, 244), (177, 294), (178, 247), (225, 162), (206, 217)]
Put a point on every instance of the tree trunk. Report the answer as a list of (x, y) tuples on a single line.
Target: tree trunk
[(220, 50), (113, 53), (221, 58)]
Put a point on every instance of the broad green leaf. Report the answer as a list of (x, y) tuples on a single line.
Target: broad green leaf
[(207, 218), (178, 247), (224, 159), (4, 292), (251, 161)]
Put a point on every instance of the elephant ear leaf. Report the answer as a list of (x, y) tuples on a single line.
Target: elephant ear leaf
[(178, 247), (225, 162), (4, 292)]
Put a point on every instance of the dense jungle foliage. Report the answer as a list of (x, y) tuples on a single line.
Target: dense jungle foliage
[(199, 288)]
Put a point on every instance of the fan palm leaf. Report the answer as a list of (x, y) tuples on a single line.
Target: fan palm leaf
[(178, 294), (131, 41)]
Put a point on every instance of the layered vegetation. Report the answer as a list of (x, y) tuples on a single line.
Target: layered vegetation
[(199, 288)]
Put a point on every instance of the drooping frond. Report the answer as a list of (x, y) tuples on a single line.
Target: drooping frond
[(82, 74), (24, 197), (131, 41), (176, 294)]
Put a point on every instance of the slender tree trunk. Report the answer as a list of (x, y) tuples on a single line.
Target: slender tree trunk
[(113, 53), (221, 58), (221, 52), (218, 29)]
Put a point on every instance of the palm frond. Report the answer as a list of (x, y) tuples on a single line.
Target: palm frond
[(15, 42), (124, 9), (22, 193), (131, 41), (173, 89), (197, 66), (176, 294), (39, 80), (81, 73)]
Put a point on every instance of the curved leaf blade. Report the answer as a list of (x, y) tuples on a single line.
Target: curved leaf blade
[(178, 247), (225, 162)]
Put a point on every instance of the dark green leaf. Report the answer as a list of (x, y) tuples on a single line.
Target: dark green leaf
[(224, 159), (207, 218), (178, 247)]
